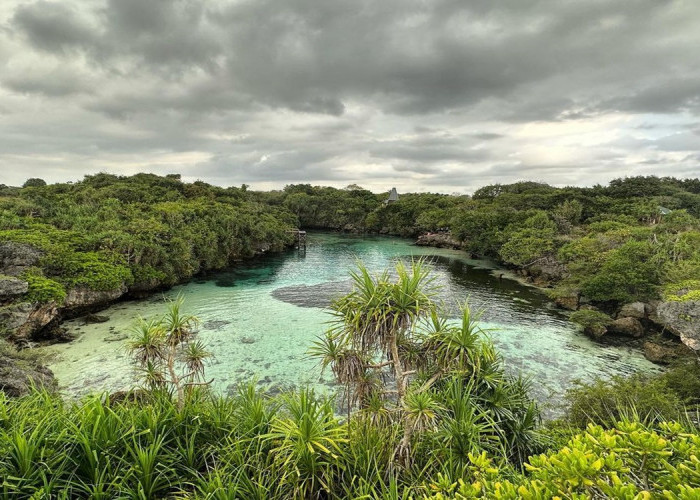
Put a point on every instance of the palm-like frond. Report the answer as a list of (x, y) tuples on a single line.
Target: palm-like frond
[(194, 355), (179, 326), (147, 343)]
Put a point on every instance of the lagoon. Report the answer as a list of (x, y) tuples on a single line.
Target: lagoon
[(260, 317)]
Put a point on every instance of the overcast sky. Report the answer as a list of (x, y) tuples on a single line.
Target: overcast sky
[(424, 95)]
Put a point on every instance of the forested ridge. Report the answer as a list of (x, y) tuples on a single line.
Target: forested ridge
[(636, 239)]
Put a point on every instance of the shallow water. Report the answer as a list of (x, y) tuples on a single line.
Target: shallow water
[(260, 318)]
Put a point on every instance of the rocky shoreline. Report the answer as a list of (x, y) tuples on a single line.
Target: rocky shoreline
[(25, 323), (666, 330)]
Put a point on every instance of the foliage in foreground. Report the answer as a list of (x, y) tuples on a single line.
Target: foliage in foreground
[(627, 461), (250, 446), (670, 395), (397, 355)]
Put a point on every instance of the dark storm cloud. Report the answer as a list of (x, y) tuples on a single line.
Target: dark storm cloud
[(278, 91), (53, 26)]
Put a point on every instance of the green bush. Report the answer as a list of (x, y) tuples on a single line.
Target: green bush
[(683, 291), (604, 402), (589, 318), (629, 460), (43, 289)]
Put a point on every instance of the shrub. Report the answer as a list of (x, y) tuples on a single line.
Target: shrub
[(683, 291), (604, 402), (43, 289), (590, 319), (629, 460)]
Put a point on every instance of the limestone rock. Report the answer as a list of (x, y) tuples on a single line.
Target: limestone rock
[(570, 303), (17, 257), (682, 319), (630, 327), (665, 352), (636, 310), (15, 315), (83, 297), (40, 316), (18, 375), (438, 240), (11, 288), (595, 331), (547, 270)]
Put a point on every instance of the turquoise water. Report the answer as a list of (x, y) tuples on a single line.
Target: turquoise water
[(260, 318)]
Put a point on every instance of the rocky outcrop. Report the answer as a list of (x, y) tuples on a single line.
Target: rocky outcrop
[(438, 240), (637, 310), (665, 351), (681, 318), (545, 271), (15, 258), (18, 375), (11, 288), (14, 316), (84, 298), (37, 320), (629, 327)]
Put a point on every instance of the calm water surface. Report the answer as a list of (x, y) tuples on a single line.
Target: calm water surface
[(260, 318)]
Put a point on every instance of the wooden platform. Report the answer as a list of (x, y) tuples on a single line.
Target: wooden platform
[(300, 238)]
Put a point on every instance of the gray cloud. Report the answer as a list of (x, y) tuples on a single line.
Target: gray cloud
[(447, 93)]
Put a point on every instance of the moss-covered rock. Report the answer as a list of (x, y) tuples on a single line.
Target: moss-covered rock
[(595, 323), (11, 288), (19, 372)]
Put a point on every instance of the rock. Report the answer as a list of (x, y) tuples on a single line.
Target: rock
[(15, 258), (40, 316), (570, 303), (438, 240), (143, 289), (630, 327), (15, 315), (247, 340), (215, 324), (94, 318), (82, 297), (11, 288), (596, 331), (17, 375), (636, 310), (665, 352), (117, 338), (547, 270), (681, 318)]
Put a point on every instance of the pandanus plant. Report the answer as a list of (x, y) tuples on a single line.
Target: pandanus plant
[(376, 328), (166, 352), (391, 324)]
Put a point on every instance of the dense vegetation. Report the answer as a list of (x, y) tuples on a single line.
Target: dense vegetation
[(636, 239), (254, 447), (144, 231)]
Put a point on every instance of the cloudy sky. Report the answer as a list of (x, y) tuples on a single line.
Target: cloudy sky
[(424, 95)]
